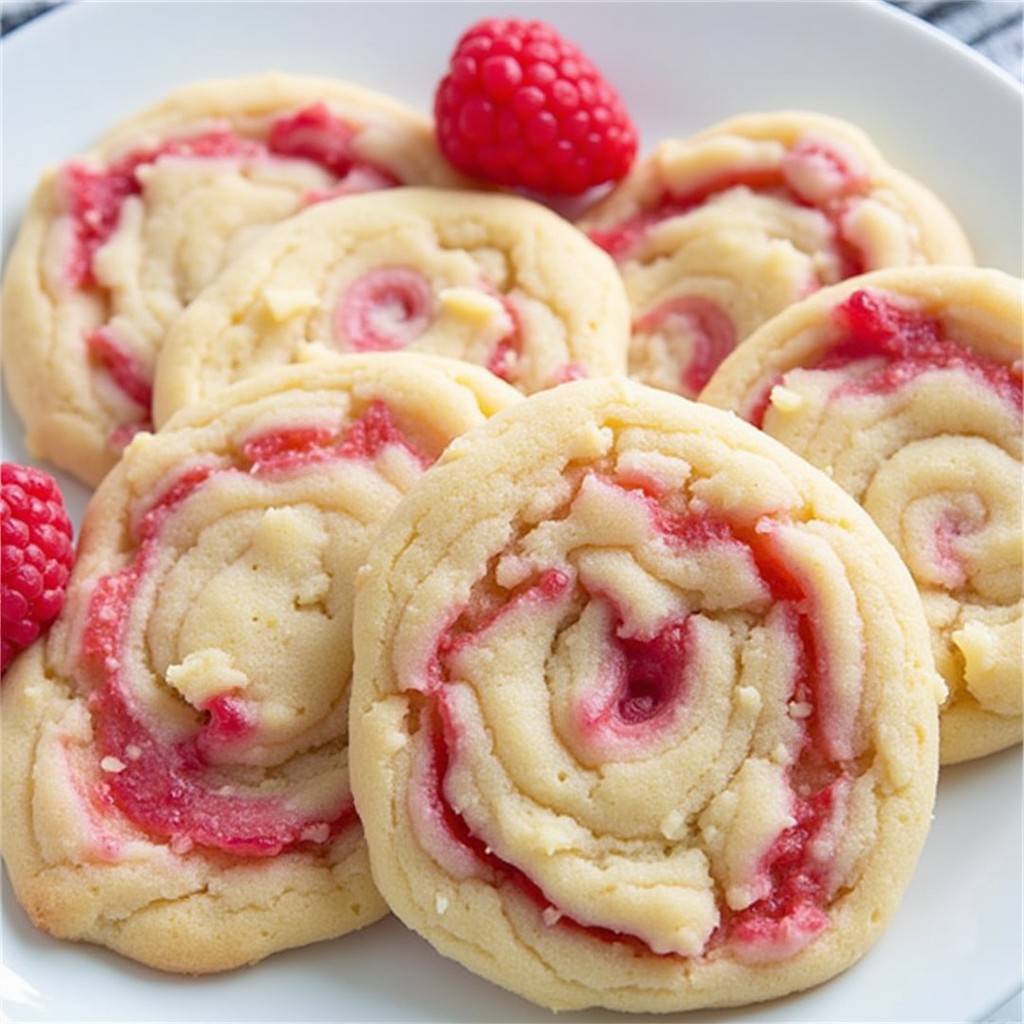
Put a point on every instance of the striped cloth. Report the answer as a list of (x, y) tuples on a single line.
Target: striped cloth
[(16, 12), (992, 27)]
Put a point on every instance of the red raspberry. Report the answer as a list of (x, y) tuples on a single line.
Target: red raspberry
[(37, 556), (522, 107)]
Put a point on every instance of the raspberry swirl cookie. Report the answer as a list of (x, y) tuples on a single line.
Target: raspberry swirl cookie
[(644, 714), (905, 386), (717, 232), (175, 775), (116, 241), (493, 279)]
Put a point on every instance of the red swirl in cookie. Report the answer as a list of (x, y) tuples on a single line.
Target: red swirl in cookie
[(117, 241), (717, 232), (632, 704), (391, 307), (176, 781), (644, 713), (905, 385), (496, 280)]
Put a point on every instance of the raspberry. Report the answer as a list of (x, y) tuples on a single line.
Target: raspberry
[(522, 107), (37, 556)]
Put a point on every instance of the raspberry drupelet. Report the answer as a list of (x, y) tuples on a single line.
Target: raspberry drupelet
[(38, 555), (522, 107)]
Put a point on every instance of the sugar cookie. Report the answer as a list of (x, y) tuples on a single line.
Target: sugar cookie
[(905, 386), (116, 241), (717, 232), (175, 773), (644, 714), (493, 279)]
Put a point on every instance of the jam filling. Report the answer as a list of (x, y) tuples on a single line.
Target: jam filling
[(951, 531), (167, 784), (317, 135), (699, 328), (444, 737), (295, 448), (652, 685), (621, 240), (95, 197), (504, 360), (812, 174), (909, 344), (368, 436), (797, 882), (122, 366), (895, 344), (654, 674), (387, 308)]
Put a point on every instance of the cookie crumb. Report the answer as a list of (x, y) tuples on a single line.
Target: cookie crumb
[(800, 709), (785, 399), (551, 916), (286, 302)]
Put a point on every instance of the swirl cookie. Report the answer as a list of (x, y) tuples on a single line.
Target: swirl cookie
[(492, 279), (718, 232), (175, 775), (905, 386), (643, 714), (116, 241)]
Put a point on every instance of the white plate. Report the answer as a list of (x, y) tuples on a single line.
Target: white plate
[(953, 953)]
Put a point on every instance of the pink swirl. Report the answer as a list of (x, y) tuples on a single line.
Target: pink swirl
[(640, 693), (168, 781), (699, 328), (891, 344), (814, 172), (94, 198), (386, 308)]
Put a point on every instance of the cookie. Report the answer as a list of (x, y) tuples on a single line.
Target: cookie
[(116, 241), (717, 232), (904, 385), (644, 714), (493, 279), (175, 774)]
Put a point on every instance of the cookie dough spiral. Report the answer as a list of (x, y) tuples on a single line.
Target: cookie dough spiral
[(905, 386), (116, 241), (175, 774), (644, 714), (717, 232), (496, 280)]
